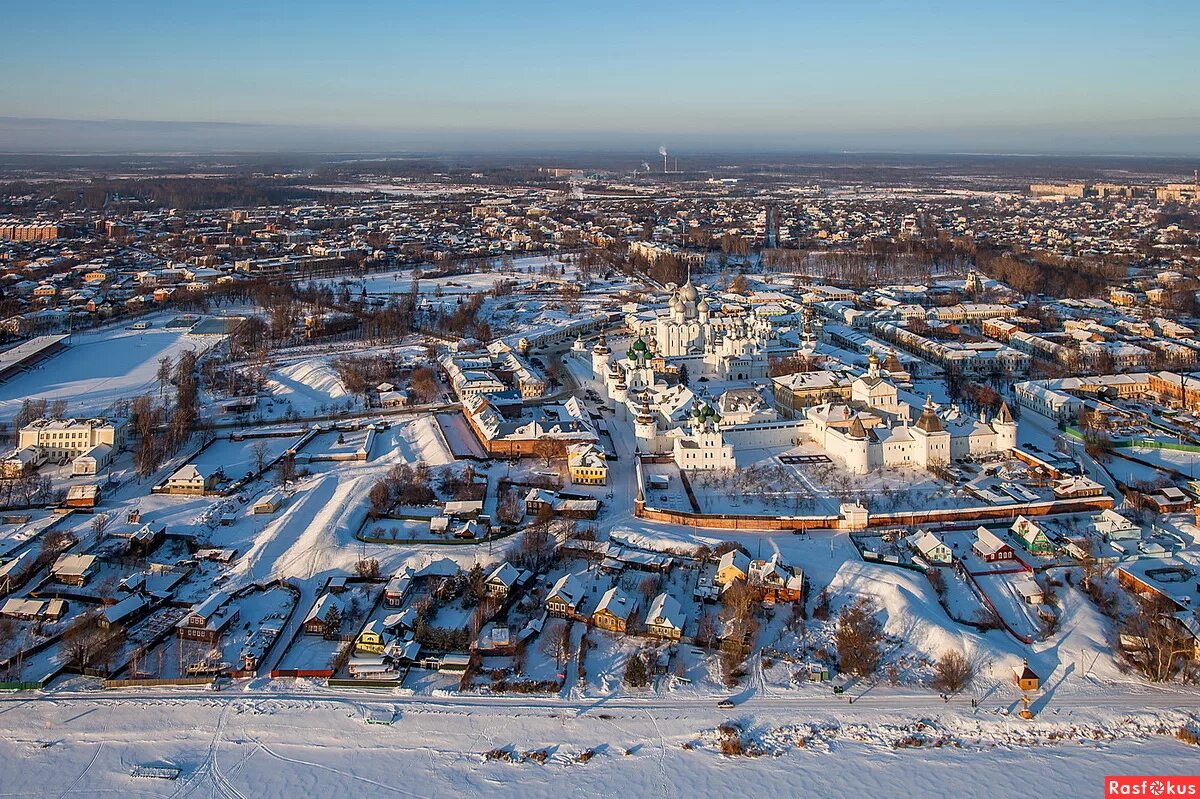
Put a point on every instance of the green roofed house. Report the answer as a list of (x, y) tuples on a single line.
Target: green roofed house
[(1032, 536)]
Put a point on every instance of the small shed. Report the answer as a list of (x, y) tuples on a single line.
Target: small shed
[(268, 503), (82, 496)]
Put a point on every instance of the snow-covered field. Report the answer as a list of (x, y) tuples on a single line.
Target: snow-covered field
[(295, 739), (99, 368)]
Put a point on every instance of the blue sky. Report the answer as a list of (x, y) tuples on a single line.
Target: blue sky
[(920, 75)]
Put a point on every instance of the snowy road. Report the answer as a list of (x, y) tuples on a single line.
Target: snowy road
[(855, 702)]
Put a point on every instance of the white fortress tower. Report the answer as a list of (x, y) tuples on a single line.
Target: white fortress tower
[(645, 427), (1006, 429), (857, 452), (600, 358)]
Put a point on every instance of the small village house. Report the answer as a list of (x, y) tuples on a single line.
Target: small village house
[(501, 581), (1032, 536), (990, 547), (615, 610), (565, 597), (208, 620), (192, 480), (665, 618), (734, 565), (931, 548), (74, 570), (323, 614)]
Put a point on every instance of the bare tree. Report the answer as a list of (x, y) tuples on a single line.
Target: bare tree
[(952, 672), (1153, 641), (163, 374), (550, 449), (260, 451), (859, 639), (100, 524), (285, 469), (537, 547), (556, 641)]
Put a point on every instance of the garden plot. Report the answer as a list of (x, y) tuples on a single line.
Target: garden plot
[(315, 652), (17, 529), (238, 459), (1017, 616), (462, 442), (137, 657), (1132, 472), (673, 496), (385, 531), (1187, 463), (339, 444), (100, 368), (961, 599), (22, 634), (262, 614)]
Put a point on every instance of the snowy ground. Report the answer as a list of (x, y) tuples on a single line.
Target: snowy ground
[(99, 368), (1187, 463), (299, 740), (309, 387)]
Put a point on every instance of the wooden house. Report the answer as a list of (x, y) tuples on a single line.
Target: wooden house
[(778, 581), (565, 597), (208, 620), (665, 618), (990, 547), (322, 615), (501, 581), (931, 548), (1032, 536), (615, 610), (74, 570), (372, 640), (734, 565)]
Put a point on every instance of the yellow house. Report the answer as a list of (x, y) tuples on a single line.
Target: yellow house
[(587, 465), (615, 610), (733, 566), (371, 640)]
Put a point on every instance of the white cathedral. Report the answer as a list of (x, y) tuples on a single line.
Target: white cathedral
[(875, 429), (725, 345)]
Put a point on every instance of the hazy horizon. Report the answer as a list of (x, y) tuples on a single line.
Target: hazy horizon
[(121, 136), (925, 77)]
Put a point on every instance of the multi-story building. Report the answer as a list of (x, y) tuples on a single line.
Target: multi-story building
[(62, 439)]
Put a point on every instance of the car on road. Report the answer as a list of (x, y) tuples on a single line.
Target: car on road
[(725, 704)]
